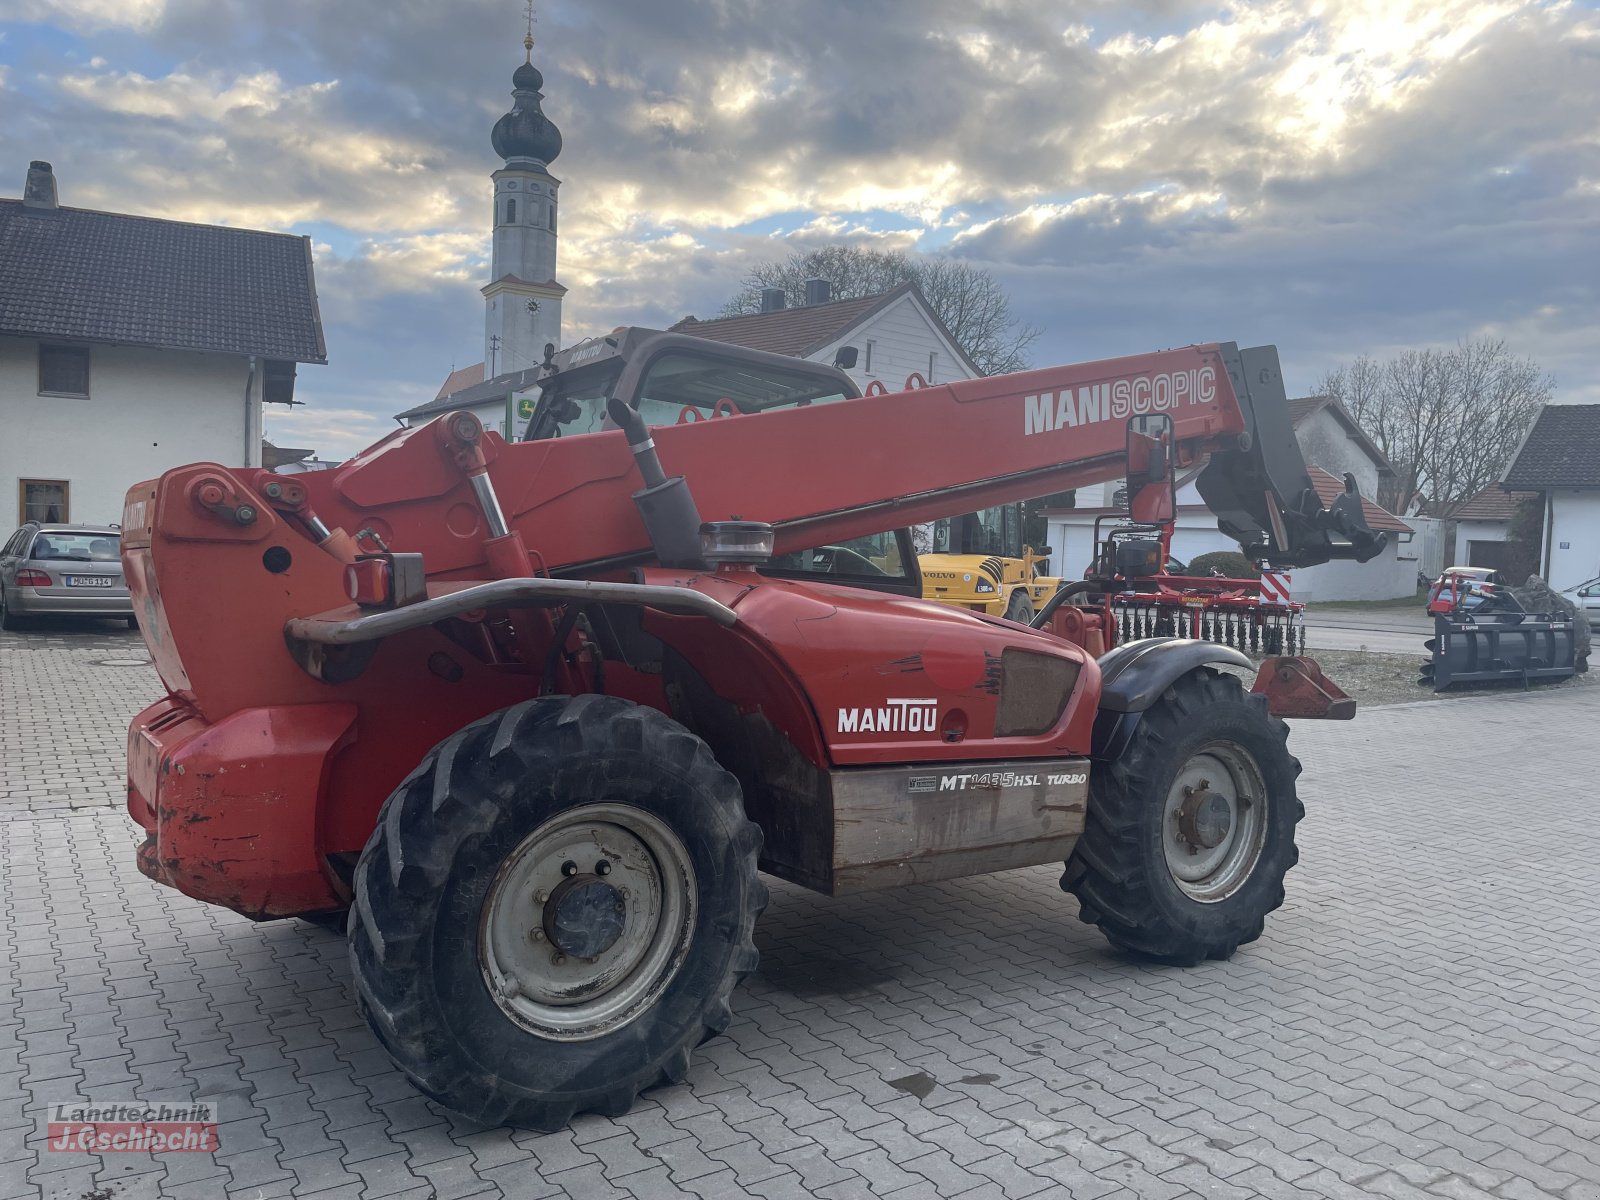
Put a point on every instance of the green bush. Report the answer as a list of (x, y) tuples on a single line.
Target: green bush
[(1228, 562)]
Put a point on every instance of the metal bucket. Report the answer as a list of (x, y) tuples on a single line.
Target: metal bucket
[(1496, 647)]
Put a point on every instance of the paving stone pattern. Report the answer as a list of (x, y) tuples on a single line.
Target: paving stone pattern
[(1421, 1020)]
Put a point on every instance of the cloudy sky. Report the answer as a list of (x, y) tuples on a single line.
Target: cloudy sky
[(1336, 178)]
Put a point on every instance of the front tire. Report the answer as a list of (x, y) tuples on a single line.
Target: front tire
[(1019, 608), (554, 910), (1191, 831)]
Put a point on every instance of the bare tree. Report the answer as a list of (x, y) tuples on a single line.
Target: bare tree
[(968, 299), (1449, 420)]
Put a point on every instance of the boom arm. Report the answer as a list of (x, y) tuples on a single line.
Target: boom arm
[(831, 472)]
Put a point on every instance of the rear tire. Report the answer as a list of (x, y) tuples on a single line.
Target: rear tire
[(1205, 762), (467, 934), (8, 621)]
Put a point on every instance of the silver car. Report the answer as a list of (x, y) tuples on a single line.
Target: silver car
[(63, 570), (1587, 597)]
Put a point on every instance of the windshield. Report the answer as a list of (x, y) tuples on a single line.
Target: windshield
[(679, 387), (995, 530), (75, 547)]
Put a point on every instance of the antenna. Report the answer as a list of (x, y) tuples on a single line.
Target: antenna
[(527, 41)]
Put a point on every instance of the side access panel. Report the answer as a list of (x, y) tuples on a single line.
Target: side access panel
[(899, 825)]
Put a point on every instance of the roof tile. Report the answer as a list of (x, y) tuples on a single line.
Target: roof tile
[(77, 274), (795, 331), (1561, 450), (1491, 504)]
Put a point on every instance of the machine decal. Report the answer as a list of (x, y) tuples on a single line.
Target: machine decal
[(1119, 399), (892, 716), (995, 780)]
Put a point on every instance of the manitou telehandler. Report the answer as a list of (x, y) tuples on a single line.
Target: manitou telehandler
[(537, 713)]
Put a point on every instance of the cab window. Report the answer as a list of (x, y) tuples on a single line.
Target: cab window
[(684, 386), (882, 561), (992, 531), (678, 387)]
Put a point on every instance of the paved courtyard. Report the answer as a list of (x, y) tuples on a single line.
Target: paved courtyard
[(1421, 1020)]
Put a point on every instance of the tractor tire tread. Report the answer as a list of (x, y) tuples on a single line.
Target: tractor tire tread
[(456, 793), (1111, 871)]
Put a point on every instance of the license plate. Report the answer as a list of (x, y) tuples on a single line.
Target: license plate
[(90, 581)]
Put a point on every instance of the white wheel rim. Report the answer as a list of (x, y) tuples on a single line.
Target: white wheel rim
[(606, 877), (1214, 822)]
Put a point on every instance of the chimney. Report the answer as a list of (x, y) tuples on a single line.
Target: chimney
[(772, 299), (818, 291), (40, 190)]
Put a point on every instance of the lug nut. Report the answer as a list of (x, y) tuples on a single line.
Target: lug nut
[(558, 959), (541, 897), (602, 867), (569, 868), (536, 935)]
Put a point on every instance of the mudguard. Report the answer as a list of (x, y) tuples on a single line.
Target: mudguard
[(1135, 674)]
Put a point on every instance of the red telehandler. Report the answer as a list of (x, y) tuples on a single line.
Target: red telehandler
[(537, 713)]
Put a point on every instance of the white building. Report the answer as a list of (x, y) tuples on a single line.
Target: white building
[(1559, 462), (130, 345), (1333, 445)]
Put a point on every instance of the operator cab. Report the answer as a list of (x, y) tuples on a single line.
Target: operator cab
[(673, 379)]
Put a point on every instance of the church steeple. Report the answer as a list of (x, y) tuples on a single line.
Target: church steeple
[(522, 297)]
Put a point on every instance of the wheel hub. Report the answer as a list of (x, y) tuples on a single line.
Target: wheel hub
[(1214, 823), (1205, 817), (587, 920), (585, 916)]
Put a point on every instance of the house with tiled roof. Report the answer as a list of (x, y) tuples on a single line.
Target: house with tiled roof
[(1559, 464), (1333, 446), (1482, 525), (130, 345), (896, 334)]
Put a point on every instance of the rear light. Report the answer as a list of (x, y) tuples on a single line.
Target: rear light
[(369, 583), (28, 577), (386, 580)]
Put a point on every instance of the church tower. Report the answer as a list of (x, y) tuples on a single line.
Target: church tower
[(522, 298)]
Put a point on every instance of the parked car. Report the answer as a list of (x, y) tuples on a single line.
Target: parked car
[(63, 570), (1587, 597), (1462, 589)]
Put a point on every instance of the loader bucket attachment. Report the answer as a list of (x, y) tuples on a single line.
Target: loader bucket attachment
[(1499, 647), (1296, 687)]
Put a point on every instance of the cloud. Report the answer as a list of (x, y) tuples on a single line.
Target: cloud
[(139, 15), (1334, 177)]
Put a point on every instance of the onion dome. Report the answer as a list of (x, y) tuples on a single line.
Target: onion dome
[(525, 132)]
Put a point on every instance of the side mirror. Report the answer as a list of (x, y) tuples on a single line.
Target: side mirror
[(845, 358), (1152, 498)]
